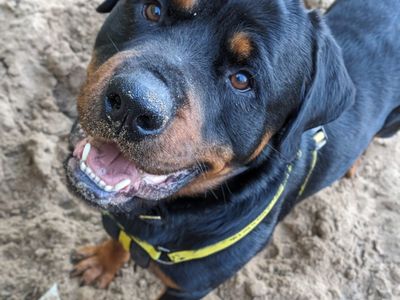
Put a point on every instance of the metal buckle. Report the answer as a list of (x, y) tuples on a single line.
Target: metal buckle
[(164, 252), (150, 218), (165, 263), (320, 144), (162, 249)]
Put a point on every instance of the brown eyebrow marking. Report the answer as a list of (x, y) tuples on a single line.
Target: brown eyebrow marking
[(241, 45), (186, 5)]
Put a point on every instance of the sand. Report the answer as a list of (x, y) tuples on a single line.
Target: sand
[(340, 244)]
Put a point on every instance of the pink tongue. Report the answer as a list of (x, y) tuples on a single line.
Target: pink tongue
[(108, 163)]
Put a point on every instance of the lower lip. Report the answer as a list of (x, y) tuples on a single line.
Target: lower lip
[(97, 196)]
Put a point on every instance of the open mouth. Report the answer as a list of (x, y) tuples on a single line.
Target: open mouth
[(102, 175)]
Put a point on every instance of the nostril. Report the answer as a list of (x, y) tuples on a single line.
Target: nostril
[(113, 102), (149, 123), (137, 105)]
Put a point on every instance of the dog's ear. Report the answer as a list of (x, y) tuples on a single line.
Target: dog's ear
[(106, 6), (329, 92)]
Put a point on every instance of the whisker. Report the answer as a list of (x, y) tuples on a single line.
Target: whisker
[(115, 46), (213, 193), (200, 165), (228, 188), (281, 156), (223, 195)]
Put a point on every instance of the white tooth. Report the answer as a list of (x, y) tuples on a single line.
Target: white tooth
[(86, 152), (123, 184), (102, 184), (83, 166), (108, 188), (153, 179), (97, 180), (92, 176)]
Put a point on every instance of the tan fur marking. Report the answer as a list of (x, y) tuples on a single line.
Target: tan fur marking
[(166, 280), (352, 172), (241, 45), (264, 141), (92, 66), (220, 171), (205, 182), (186, 5)]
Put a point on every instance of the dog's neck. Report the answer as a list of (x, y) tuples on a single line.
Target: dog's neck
[(193, 223), (188, 223)]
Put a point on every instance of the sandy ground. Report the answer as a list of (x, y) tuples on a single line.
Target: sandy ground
[(341, 244)]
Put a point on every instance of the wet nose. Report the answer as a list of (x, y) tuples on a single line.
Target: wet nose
[(140, 103)]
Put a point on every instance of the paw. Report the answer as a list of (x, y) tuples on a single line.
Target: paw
[(98, 265)]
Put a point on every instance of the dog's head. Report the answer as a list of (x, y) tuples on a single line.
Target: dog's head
[(183, 94)]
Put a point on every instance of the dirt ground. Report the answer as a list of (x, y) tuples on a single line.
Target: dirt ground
[(343, 243)]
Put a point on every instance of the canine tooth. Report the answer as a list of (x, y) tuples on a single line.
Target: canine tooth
[(123, 184), (154, 179), (108, 188), (86, 152), (83, 166)]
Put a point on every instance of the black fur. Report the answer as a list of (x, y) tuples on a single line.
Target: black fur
[(327, 96), (341, 71), (106, 6)]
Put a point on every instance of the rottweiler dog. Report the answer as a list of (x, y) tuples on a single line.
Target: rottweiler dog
[(202, 123)]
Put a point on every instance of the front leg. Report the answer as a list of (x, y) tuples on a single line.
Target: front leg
[(99, 264)]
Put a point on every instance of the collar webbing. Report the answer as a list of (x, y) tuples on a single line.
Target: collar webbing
[(186, 255), (176, 257)]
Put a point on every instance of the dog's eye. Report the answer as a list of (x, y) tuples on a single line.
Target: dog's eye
[(152, 12), (241, 80)]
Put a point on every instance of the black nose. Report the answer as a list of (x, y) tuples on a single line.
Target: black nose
[(140, 103)]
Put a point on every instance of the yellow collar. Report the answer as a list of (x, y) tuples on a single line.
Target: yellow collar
[(176, 257)]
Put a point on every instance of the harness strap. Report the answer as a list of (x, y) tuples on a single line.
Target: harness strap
[(185, 255), (181, 256), (169, 258), (126, 241), (320, 139)]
